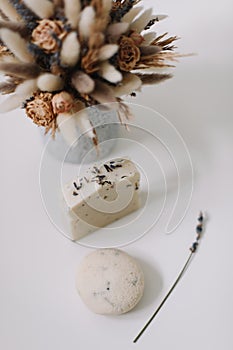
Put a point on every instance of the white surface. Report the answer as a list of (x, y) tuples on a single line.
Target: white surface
[(39, 306)]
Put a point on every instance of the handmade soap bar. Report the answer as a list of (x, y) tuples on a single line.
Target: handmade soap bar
[(110, 282), (102, 195)]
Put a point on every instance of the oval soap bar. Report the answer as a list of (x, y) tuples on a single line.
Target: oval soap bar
[(110, 282)]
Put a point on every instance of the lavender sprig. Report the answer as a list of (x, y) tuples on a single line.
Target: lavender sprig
[(193, 249)]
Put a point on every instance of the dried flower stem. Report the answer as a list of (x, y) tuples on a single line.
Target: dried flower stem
[(193, 249)]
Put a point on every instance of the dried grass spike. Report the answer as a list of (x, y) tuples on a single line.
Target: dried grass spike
[(107, 51), (160, 17), (87, 18), (7, 87), (130, 16), (21, 70), (16, 27), (139, 24), (117, 29), (42, 8), (83, 83), (151, 79), (107, 5), (70, 51), (164, 43), (49, 82), (147, 51), (148, 38), (103, 93), (110, 73), (26, 88), (16, 44), (9, 10), (72, 11), (130, 83)]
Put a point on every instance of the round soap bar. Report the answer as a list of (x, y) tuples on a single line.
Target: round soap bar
[(110, 282)]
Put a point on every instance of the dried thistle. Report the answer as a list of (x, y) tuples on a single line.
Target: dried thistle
[(61, 56)]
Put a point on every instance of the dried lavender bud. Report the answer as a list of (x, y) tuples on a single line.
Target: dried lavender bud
[(194, 247), (200, 218), (199, 228)]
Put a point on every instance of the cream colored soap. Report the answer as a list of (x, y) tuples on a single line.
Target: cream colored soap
[(110, 282), (102, 195)]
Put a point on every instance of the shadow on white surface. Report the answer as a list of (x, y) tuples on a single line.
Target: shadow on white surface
[(153, 285)]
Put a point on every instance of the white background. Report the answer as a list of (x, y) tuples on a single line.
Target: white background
[(39, 307)]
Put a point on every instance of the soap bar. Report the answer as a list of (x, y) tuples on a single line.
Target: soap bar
[(109, 281), (102, 195)]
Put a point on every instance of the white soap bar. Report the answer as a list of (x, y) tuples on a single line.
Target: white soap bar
[(104, 194), (110, 282)]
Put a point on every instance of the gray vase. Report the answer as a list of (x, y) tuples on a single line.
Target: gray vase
[(106, 124)]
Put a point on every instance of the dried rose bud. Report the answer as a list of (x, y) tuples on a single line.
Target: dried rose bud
[(128, 55), (137, 38), (44, 35), (62, 102), (40, 110)]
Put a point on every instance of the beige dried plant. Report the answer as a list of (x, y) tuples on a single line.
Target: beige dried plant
[(86, 51)]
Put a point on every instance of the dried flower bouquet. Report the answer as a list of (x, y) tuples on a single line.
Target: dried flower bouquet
[(61, 56)]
